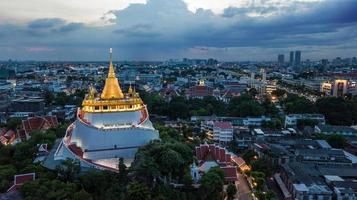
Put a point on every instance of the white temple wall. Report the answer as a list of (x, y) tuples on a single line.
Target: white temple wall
[(100, 119), (91, 138)]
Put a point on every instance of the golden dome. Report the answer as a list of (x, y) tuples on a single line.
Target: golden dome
[(111, 88)]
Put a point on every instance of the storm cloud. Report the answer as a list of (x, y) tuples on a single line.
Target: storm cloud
[(162, 29)]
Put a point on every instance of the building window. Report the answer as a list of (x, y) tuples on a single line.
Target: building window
[(96, 108), (105, 107)]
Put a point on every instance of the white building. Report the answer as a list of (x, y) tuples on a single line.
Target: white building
[(222, 132), (255, 121), (292, 119)]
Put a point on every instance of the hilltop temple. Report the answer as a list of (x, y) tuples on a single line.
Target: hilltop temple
[(109, 126)]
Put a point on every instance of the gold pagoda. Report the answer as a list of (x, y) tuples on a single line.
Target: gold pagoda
[(112, 99)]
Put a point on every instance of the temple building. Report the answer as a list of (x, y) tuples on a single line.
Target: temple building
[(109, 126)]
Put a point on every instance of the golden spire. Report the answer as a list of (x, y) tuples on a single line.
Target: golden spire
[(130, 90), (111, 73), (91, 92), (111, 88)]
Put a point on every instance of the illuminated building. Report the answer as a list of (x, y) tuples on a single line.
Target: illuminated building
[(326, 88), (271, 87), (109, 126), (337, 88)]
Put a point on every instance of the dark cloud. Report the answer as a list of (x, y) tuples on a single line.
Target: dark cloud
[(161, 29), (70, 27), (45, 23)]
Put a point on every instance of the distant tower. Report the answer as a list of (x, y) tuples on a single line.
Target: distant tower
[(291, 59), (281, 59), (264, 75), (297, 58), (252, 79)]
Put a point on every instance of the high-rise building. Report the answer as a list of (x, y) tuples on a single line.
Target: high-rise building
[(110, 125), (291, 59), (252, 79), (354, 60), (297, 57), (264, 75), (281, 59), (324, 62)]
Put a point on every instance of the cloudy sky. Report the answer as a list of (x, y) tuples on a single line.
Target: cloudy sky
[(163, 29)]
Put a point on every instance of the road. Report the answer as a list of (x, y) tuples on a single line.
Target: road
[(244, 192)]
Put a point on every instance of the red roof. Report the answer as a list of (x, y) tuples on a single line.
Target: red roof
[(206, 152), (200, 91), (238, 160), (76, 150), (3, 131), (39, 123), (21, 179), (223, 125), (230, 173)]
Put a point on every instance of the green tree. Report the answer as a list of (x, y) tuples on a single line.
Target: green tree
[(61, 99), (49, 97), (187, 180), (279, 93), (7, 173), (294, 104), (82, 195), (212, 184), (69, 169), (138, 191), (14, 123), (338, 111), (123, 173), (231, 191), (259, 179), (248, 156), (145, 167), (337, 141)]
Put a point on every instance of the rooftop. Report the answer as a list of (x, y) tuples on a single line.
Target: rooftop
[(223, 125)]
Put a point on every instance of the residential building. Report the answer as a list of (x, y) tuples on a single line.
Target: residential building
[(222, 131), (292, 119), (337, 130)]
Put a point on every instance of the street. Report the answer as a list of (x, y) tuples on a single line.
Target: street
[(244, 192)]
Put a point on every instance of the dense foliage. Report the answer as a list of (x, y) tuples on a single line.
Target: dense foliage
[(180, 107), (260, 169), (338, 111), (18, 158)]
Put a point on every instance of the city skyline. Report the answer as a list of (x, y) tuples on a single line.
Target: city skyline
[(160, 30)]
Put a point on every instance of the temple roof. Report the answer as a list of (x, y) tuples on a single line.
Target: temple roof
[(112, 88)]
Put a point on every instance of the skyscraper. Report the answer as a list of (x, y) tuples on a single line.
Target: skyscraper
[(281, 59), (297, 57), (291, 61)]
